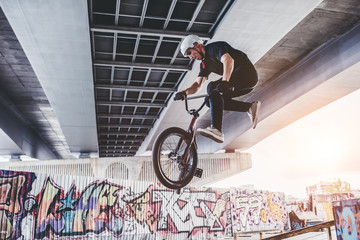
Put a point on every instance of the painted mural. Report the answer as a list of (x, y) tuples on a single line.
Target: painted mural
[(255, 210), (347, 219), (37, 206)]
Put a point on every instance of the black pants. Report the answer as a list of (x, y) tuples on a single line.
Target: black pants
[(243, 80)]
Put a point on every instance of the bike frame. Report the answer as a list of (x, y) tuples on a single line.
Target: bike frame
[(191, 128), (179, 157)]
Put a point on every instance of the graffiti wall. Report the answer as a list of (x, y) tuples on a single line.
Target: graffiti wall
[(255, 210), (347, 219), (37, 206)]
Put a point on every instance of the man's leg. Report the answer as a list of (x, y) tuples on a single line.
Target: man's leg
[(216, 104), (252, 109), (236, 106), (244, 80)]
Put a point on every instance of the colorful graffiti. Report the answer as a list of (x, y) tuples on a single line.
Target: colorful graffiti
[(75, 213), (207, 211), (13, 188), (254, 210), (347, 219), (37, 206)]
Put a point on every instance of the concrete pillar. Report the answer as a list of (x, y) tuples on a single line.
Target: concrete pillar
[(134, 170), (99, 167)]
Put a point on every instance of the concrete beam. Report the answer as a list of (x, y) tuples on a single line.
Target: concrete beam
[(136, 104), (105, 63), (61, 59), (20, 132), (329, 73), (145, 31), (135, 88), (124, 125), (127, 116)]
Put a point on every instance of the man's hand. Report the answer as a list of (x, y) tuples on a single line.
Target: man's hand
[(224, 87), (180, 95)]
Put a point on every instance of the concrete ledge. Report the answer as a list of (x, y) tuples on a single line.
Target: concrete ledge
[(215, 166)]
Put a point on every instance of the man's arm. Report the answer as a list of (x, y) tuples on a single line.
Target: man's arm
[(195, 87), (228, 63)]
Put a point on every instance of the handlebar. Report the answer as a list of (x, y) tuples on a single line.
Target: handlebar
[(195, 111), (195, 97)]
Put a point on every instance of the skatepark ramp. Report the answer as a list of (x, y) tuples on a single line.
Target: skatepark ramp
[(215, 167)]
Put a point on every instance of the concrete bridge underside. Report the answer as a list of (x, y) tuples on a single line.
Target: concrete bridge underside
[(307, 55)]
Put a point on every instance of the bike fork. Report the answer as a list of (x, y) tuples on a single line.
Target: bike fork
[(186, 156)]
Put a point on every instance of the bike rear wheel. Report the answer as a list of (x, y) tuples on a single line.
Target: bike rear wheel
[(174, 159)]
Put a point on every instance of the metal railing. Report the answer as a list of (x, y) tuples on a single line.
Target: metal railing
[(304, 230)]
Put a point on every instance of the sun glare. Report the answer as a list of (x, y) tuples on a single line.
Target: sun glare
[(325, 151), (319, 148)]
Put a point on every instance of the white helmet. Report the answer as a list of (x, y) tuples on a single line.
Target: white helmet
[(188, 42)]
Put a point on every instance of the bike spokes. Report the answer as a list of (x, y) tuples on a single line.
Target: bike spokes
[(174, 162), (174, 158)]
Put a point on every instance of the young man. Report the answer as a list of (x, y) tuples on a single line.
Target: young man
[(239, 77)]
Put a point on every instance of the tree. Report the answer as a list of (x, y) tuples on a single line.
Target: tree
[(340, 187)]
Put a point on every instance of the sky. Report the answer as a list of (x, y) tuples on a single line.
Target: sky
[(322, 146)]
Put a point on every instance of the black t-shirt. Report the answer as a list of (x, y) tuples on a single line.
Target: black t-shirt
[(212, 61)]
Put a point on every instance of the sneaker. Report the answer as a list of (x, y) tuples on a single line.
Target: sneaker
[(212, 133), (253, 113)]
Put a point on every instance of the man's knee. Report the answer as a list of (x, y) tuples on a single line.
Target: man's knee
[(212, 86), (214, 98)]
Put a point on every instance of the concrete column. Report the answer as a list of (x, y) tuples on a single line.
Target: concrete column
[(134, 170), (99, 167)]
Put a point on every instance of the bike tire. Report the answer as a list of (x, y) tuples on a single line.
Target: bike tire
[(166, 160)]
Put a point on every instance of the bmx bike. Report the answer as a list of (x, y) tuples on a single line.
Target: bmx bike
[(175, 155)]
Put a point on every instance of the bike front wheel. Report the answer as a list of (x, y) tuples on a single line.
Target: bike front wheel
[(174, 159)]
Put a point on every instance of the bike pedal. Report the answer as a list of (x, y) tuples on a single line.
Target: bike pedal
[(198, 172)]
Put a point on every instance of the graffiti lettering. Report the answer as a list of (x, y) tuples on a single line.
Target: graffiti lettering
[(92, 212), (256, 210), (99, 209), (9, 190), (12, 188), (187, 211), (347, 220), (45, 215)]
